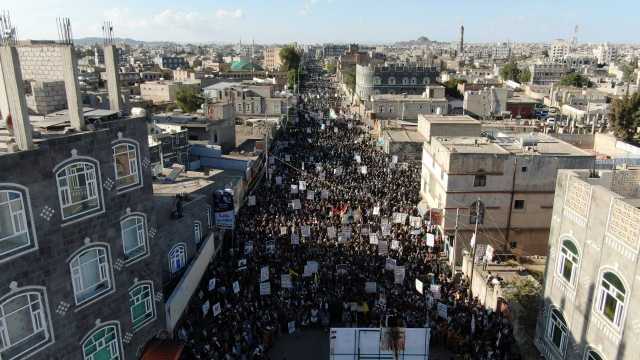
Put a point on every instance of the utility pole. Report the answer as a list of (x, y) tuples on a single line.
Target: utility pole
[(475, 245), (455, 242)]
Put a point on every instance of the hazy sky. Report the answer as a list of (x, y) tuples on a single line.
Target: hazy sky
[(317, 21)]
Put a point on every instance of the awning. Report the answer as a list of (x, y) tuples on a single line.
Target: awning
[(162, 350)]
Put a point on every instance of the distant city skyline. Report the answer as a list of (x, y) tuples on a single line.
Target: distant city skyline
[(341, 21)]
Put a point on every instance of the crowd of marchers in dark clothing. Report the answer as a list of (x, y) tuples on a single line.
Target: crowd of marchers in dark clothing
[(341, 206)]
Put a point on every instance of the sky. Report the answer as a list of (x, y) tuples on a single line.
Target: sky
[(341, 21)]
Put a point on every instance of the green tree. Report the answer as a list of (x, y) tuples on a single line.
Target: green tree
[(349, 78), (577, 80), (525, 76), (292, 78), (451, 88), (528, 293), (290, 57), (510, 71), (331, 68), (624, 117), (188, 99)]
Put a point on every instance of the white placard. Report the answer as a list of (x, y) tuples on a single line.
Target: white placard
[(442, 310), (383, 248), (205, 308), (331, 232), (294, 189), (296, 204), (357, 158), (370, 287), (242, 264), (364, 231), (489, 253), (363, 170), (415, 222), (313, 266), (435, 290), (430, 240), (285, 281), (252, 200), (481, 251), (324, 195), (390, 264), (373, 239), (305, 230), (321, 176), (398, 274), (376, 210), (307, 271), (291, 327), (337, 171), (302, 185), (395, 244), (283, 230), (311, 195), (386, 229), (419, 286), (236, 287), (216, 309), (295, 239), (394, 159), (212, 284), (264, 273), (265, 288)]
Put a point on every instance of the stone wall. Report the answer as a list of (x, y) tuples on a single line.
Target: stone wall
[(41, 62), (46, 97)]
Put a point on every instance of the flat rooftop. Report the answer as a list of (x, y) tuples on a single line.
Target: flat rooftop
[(405, 98), (621, 182), (404, 135), (193, 181), (447, 119), (470, 145)]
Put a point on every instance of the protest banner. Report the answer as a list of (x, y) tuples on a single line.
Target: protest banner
[(236, 287), (383, 248), (395, 244), (324, 195), (295, 239), (264, 273), (311, 195), (419, 286), (435, 290), (398, 274), (370, 287), (302, 185), (265, 288), (442, 310), (294, 189), (376, 210), (331, 232), (373, 239), (431, 240), (415, 221)]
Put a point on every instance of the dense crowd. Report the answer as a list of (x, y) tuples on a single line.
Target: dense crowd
[(334, 239)]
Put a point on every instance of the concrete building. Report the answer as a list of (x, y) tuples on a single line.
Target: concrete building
[(486, 103), (547, 73), (393, 79), (170, 62), (405, 143), (333, 50), (272, 60), (164, 91), (590, 300), (408, 107), (250, 98), (559, 49), (506, 184)]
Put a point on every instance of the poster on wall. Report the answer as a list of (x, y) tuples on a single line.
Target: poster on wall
[(224, 208)]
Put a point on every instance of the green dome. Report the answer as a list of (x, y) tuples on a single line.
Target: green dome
[(244, 65)]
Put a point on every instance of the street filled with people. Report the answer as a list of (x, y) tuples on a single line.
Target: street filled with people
[(333, 237)]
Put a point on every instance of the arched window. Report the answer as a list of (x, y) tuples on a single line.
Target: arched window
[(134, 237), (592, 355), (90, 274), (141, 304), (177, 257), (611, 298), (476, 211), (125, 162), (78, 189), (197, 232), (391, 80), (103, 344), (25, 326), (16, 229), (414, 81), (405, 81), (557, 331), (377, 80), (568, 261)]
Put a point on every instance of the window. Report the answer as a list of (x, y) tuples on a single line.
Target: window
[(197, 233), (405, 81), (90, 274), (78, 189), (476, 211), (557, 330), (524, 169), (414, 81), (568, 261), (103, 344), (480, 180), (611, 300), (592, 355), (134, 237), (377, 80), (177, 258), (24, 324), (391, 80), (15, 226), (125, 161), (518, 204), (141, 305)]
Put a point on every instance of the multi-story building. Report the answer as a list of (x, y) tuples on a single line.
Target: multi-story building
[(559, 49), (408, 107), (506, 184), (590, 299), (250, 99), (333, 50), (393, 79), (547, 73), (164, 91), (170, 62), (490, 101), (272, 60), (501, 51)]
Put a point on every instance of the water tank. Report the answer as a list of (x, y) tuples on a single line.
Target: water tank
[(138, 112)]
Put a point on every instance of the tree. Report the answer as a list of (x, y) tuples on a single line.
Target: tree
[(528, 293), (624, 117), (188, 99), (292, 78), (451, 88), (290, 58), (331, 68), (576, 80), (510, 71), (525, 76), (349, 78)]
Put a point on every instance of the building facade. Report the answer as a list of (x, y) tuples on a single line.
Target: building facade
[(393, 79), (589, 299), (170, 62), (547, 73), (408, 107), (272, 60)]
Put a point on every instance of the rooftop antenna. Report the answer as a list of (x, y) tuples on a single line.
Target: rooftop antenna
[(8, 33), (107, 33), (65, 34)]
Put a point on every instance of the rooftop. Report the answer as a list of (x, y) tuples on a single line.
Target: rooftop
[(403, 135), (456, 119), (409, 98), (624, 183), (193, 181)]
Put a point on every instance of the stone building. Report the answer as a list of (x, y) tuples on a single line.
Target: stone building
[(547, 73), (272, 60), (164, 91), (409, 107), (590, 302), (506, 183), (393, 79)]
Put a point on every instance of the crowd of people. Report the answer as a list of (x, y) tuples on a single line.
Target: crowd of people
[(334, 239)]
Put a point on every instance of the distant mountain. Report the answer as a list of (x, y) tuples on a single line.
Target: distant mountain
[(421, 41), (88, 41)]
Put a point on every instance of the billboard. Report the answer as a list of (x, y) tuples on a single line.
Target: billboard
[(379, 343), (223, 208)]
